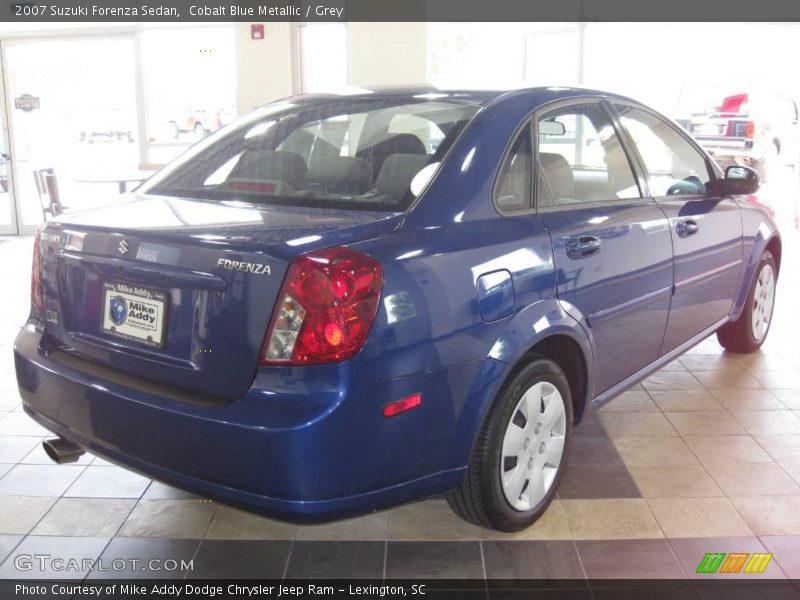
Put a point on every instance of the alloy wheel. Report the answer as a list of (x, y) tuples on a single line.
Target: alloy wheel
[(763, 302)]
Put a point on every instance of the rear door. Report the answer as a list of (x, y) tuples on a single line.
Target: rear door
[(706, 228), (611, 244)]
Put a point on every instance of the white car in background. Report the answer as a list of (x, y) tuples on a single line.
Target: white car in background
[(107, 124), (755, 129), (200, 121)]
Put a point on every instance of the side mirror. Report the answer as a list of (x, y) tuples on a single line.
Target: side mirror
[(740, 181)]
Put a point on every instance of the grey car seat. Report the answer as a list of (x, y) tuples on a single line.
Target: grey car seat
[(559, 177), (396, 175), (270, 165), (344, 175)]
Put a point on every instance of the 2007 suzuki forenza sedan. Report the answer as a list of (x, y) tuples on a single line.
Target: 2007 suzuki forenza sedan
[(342, 303)]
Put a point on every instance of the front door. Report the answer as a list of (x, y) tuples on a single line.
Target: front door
[(706, 228), (611, 245)]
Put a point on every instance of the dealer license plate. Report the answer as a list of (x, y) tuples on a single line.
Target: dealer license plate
[(134, 313), (710, 129)]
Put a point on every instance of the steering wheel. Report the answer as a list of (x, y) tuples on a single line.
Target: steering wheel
[(690, 185)]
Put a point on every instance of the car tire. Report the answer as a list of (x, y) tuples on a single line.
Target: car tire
[(494, 493), (747, 333)]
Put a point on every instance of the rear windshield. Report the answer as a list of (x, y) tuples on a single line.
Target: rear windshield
[(336, 153)]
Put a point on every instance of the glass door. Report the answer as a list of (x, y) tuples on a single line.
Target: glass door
[(72, 121), (8, 213)]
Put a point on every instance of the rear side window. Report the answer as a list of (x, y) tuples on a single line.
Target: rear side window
[(341, 153), (513, 189), (674, 166), (581, 158)]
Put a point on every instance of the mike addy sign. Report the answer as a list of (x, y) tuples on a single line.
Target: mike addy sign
[(27, 103)]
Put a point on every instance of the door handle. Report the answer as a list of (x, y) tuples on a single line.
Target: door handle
[(583, 246), (687, 228)]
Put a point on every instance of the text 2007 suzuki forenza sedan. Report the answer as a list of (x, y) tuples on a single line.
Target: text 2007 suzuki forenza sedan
[(342, 303)]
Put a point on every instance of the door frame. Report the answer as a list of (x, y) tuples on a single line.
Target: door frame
[(5, 132), (131, 33)]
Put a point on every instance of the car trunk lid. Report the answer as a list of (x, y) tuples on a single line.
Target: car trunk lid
[(180, 291)]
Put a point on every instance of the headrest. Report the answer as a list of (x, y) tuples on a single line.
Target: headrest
[(558, 174), (288, 167), (341, 171), (397, 172), (385, 145), (399, 143)]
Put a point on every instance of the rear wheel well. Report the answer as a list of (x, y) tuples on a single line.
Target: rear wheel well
[(567, 354), (774, 247)]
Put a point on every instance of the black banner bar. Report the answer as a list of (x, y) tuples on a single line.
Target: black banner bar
[(165, 11), (733, 586)]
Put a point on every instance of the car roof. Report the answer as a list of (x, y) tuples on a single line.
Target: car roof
[(476, 97)]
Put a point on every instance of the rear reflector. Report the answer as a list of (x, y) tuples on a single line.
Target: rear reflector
[(400, 406)]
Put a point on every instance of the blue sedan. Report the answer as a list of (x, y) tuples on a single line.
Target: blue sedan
[(341, 303)]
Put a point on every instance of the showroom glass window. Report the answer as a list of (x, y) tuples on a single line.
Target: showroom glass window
[(363, 154), (581, 158), (674, 166), (189, 85)]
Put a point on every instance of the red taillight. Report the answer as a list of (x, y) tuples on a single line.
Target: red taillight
[(750, 130), (400, 406), (325, 308), (36, 274), (253, 186)]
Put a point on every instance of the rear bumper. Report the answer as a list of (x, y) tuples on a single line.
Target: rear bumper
[(736, 148), (304, 445)]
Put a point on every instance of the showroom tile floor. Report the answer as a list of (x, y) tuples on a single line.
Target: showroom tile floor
[(704, 456)]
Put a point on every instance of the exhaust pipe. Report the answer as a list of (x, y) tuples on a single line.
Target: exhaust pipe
[(62, 451)]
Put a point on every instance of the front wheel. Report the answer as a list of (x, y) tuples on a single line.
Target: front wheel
[(748, 332), (521, 452)]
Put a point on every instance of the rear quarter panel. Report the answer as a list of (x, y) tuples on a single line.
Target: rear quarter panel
[(429, 317), (429, 324)]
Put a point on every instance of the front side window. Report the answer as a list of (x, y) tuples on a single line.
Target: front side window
[(674, 166), (581, 158), (348, 153)]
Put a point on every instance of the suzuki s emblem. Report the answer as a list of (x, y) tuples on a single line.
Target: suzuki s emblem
[(124, 246)]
